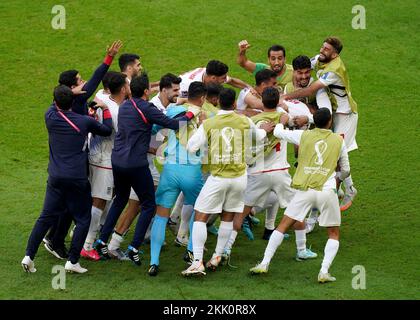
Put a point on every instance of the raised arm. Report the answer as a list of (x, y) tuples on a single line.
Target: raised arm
[(92, 84), (242, 59)]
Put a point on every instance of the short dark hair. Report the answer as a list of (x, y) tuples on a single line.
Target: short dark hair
[(335, 42), (197, 89), (63, 97), (126, 59), (116, 82), (138, 85), (216, 68), (301, 62), (276, 47), (213, 89), (264, 76), (107, 77), (270, 98), (68, 78), (227, 98), (321, 117), (167, 80)]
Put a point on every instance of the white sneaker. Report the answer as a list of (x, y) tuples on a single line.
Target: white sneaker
[(259, 269), (28, 265), (305, 255), (325, 277), (196, 268), (74, 268)]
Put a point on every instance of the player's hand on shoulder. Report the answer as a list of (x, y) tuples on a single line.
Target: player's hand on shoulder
[(284, 119), (268, 126)]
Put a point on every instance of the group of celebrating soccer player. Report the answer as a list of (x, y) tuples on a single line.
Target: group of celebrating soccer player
[(196, 151)]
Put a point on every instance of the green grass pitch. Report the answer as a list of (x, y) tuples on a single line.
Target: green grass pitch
[(381, 230)]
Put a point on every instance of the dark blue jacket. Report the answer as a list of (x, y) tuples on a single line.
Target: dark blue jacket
[(68, 147), (133, 137)]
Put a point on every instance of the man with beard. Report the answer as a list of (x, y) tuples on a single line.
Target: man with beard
[(333, 77), (130, 65), (301, 79), (276, 59)]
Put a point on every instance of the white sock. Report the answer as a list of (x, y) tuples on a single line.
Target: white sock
[(176, 211), (115, 242), (185, 220), (88, 245), (300, 240), (96, 214), (330, 252), (199, 234), (105, 212), (270, 216), (231, 240), (225, 229), (274, 242), (348, 183)]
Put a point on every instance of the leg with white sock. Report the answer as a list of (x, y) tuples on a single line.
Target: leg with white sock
[(199, 237), (176, 211), (331, 249), (93, 228), (275, 241), (184, 226), (223, 236), (225, 230), (105, 213), (272, 205)]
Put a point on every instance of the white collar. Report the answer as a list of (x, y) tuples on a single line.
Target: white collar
[(225, 111)]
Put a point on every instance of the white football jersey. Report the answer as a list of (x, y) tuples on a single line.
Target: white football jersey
[(100, 148)]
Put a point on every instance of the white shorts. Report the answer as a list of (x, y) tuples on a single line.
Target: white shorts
[(222, 194), (260, 185), (101, 181), (326, 201), (346, 124), (155, 175)]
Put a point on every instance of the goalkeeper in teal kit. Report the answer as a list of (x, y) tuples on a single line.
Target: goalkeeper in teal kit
[(181, 171)]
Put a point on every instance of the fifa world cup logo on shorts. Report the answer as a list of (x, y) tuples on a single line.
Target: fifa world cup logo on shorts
[(227, 135), (320, 148)]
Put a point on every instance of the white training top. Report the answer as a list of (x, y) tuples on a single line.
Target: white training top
[(329, 78), (100, 148), (191, 76)]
